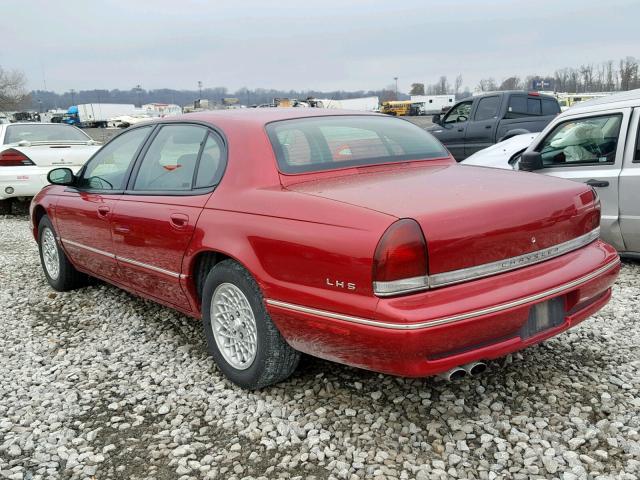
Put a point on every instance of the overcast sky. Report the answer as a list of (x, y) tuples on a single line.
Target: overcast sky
[(325, 45)]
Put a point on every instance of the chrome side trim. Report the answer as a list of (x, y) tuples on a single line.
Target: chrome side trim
[(508, 264), (450, 319), (147, 266), (124, 259), (90, 249)]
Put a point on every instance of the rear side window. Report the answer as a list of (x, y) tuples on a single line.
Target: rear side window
[(170, 162), (325, 143), (534, 106), (518, 104), (487, 108), (550, 107), (211, 166)]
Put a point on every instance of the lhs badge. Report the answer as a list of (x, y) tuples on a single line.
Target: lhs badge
[(533, 240)]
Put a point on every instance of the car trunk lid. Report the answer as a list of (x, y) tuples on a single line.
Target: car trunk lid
[(470, 216), (58, 154)]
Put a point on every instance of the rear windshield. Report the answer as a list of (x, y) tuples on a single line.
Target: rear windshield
[(325, 143), (39, 132)]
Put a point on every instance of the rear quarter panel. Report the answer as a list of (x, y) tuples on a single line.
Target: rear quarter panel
[(290, 242), (296, 247)]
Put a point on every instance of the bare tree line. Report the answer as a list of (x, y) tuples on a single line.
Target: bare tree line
[(609, 76), (605, 76)]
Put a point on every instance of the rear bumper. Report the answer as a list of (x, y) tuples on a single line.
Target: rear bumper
[(25, 181), (428, 333)]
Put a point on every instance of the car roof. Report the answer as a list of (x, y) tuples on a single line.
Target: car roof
[(262, 116), (509, 92), (37, 123), (629, 98)]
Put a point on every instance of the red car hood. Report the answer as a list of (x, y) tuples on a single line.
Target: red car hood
[(469, 215)]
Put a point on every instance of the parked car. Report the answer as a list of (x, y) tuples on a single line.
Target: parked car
[(29, 150), (352, 237), (478, 122), (501, 155), (598, 143)]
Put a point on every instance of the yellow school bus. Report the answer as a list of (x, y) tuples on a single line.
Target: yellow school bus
[(397, 108)]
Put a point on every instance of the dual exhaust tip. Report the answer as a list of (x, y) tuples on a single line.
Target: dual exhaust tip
[(457, 373)]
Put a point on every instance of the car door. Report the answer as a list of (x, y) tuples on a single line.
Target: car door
[(630, 188), (590, 148), (481, 129), (451, 131), (153, 223), (83, 212)]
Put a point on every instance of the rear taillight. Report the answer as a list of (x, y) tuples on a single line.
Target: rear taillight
[(400, 260), (14, 158)]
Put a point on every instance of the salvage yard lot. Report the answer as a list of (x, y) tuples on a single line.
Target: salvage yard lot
[(99, 382)]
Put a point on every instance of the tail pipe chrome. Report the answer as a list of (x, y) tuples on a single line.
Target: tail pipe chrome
[(456, 373), (475, 368)]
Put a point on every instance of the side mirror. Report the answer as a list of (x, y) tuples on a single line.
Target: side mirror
[(61, 176), (436, 119), (530, 161)]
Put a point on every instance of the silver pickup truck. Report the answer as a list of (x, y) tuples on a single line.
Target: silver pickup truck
[(598, 143)]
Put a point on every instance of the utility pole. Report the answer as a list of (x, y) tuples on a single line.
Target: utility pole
[(396, 79), (73, 96), (138, 90)]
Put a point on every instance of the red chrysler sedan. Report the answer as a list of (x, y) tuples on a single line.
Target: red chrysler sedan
[(350, 236)]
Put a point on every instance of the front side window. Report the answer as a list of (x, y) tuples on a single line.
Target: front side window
[(42, 132), (325, 143), (170, 162), (487, 108), (592, 140), (459, 113), (107, 169)]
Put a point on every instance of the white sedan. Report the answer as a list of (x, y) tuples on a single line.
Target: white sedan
[(501, 155), (28, 151)]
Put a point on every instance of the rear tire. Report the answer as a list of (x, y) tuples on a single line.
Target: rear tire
[(58, 270), (241, 336)]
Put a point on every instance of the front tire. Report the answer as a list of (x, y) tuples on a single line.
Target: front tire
[(241, 336), (58, 270)]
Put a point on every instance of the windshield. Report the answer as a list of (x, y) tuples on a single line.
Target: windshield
[(43, 132), (325, 143)]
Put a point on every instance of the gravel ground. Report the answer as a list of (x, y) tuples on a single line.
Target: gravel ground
[(102, 134), (423, 121), (98, 383)]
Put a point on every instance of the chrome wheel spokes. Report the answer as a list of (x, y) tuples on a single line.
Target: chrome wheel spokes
[(234, 326), (50, 256)]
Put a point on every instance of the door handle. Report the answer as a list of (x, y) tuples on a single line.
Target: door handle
[(179, 220), (103, 210), (597, 183), (487, 126), (461, 129)]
